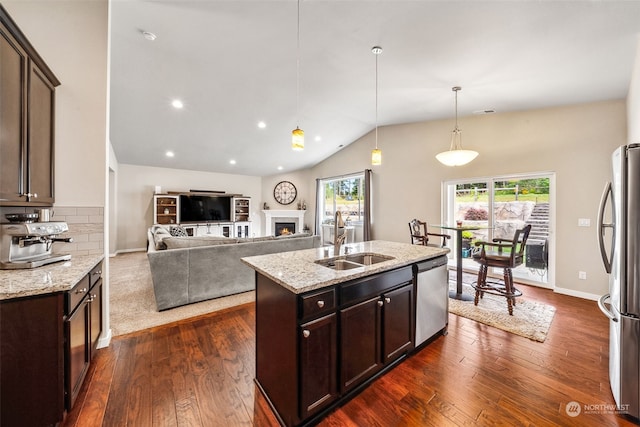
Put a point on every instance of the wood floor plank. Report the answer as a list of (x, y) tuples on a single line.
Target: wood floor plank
[(199, 373)]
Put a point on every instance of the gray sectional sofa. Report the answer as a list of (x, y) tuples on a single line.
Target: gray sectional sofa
[(185, 270)]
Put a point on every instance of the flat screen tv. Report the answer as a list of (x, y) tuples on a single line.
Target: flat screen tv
[(204, 208)]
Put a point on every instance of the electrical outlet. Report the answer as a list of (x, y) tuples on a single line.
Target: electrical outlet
[(582, 275), (584, 222)]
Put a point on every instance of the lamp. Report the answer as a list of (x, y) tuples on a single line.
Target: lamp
[(376, 154), (297, 135), (456, 156)]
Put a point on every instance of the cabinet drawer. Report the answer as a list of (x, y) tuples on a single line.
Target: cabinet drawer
[(75, 295), (318, 303), (95, 274), (360, 290)]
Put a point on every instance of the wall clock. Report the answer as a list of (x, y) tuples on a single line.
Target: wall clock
[(285, 192)]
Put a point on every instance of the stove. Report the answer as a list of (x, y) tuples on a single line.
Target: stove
[(29, 244)]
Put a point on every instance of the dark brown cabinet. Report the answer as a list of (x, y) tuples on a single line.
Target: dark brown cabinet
[(82, 328), (397, 324), (318, 364), (27, 107), (317, 349), (46, 346), (360, 342), (32, 361), (375, 332)]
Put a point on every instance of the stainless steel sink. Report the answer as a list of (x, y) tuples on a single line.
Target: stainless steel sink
[(339, 264), (353, 261), (367, 258)]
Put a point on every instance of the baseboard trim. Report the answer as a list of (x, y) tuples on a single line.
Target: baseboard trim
[(578, 294), (104, 340), (125, 251)]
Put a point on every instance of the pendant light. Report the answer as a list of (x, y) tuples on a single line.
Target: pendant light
[(376, 154), (297, 135), (456, 156)]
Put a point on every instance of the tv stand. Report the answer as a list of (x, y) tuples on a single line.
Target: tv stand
[(166, 212)]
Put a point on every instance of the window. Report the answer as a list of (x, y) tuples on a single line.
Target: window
[(345, 194), (502, 205)]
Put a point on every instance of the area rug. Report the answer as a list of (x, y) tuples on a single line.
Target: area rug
[(530, 319), (132, 304)]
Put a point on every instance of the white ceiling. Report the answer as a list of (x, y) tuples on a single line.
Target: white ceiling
[(233, 64)]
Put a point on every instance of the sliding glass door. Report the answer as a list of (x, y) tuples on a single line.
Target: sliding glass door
[(501, 205)]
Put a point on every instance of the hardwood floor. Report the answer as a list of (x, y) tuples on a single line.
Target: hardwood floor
[(199, 372)]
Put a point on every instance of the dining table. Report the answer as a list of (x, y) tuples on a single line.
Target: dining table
[(457, 294)]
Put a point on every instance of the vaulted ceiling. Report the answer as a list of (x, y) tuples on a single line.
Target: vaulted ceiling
[(234, 64)]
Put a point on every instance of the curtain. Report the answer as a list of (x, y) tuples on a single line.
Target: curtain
[(367, 205), (319, 206)]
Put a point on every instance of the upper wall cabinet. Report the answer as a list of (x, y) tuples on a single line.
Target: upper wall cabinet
[(27, 107)]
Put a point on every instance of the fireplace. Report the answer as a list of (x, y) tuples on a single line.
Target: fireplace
[(272, 216), (284, 228)]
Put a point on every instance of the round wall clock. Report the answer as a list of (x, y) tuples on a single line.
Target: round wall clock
[(285, 192)]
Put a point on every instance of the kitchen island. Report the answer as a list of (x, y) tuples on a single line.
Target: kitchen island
[(329, 324)]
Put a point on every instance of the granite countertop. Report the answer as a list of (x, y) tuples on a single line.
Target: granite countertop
[(56, 277), (297, 271)]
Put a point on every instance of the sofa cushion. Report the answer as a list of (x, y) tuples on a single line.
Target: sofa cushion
[(159, 234), (289, 236), (195, 241), (255, 239), (178, 231)]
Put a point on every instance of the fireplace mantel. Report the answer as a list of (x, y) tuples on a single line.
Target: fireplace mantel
[(273, 214)]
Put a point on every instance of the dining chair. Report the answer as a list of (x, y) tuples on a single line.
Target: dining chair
[(420, 236)]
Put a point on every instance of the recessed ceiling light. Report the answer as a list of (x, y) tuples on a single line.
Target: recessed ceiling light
[(232, 162), (177, 103), (262, 125), (169, 154), (318, 138), (280, 168), (149, 36)]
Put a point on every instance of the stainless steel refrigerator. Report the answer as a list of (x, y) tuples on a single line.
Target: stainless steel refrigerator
[(619, 239)]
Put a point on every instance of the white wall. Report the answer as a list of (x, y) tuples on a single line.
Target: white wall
[(136, 185), (633, 101), (574, 141), (305, 185)]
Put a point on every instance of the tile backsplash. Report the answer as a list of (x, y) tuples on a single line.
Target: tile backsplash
[(86, 227)]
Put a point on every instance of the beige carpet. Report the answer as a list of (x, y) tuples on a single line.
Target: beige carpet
[(530, 319), (133, 305)]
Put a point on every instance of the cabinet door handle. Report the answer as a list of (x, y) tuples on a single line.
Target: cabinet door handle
[(306, 333), (81, 291), (97, 273), (320, 303), (380, 303), (387, 300)]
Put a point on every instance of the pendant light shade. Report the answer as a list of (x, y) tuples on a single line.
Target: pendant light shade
[(456, 156), (297, 139), (376, 153), (297, 135), (376, 157)]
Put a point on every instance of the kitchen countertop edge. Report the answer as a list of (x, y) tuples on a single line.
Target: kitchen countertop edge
[(48, 279), (298, 272)]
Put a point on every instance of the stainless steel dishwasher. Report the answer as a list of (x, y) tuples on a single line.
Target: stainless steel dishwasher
[(432, 298)]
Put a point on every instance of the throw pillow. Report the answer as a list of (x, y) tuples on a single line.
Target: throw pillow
[(178, 231)]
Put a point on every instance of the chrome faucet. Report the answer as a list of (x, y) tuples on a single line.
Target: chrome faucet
[(338, 240)]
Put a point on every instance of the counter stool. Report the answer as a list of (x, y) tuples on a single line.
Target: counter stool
[(509, 255)]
